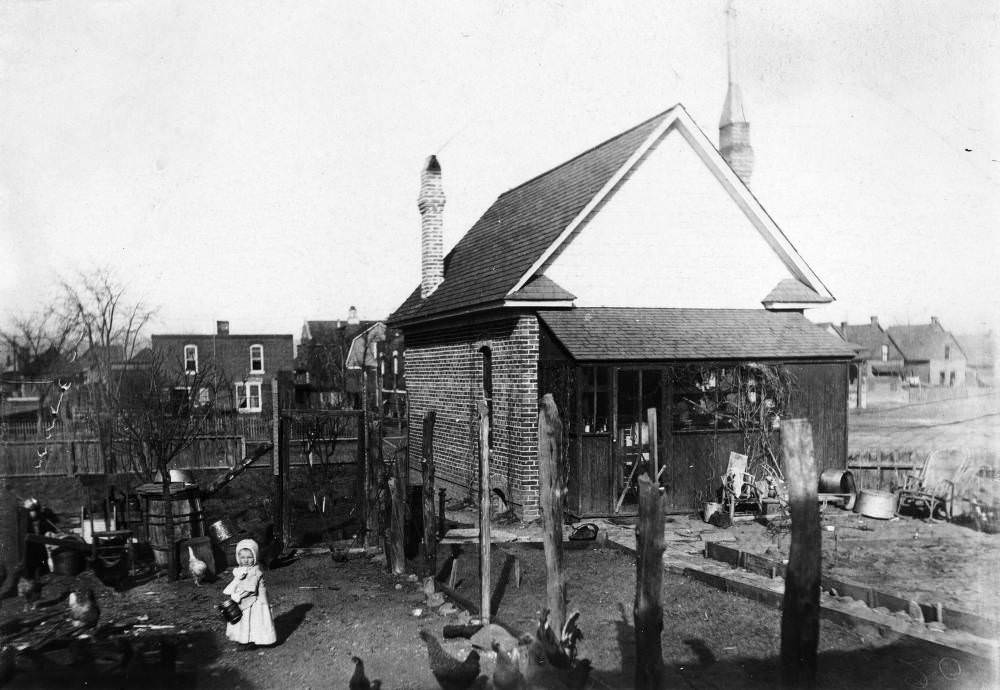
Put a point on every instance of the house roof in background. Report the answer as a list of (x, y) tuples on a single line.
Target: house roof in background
[(871, 338), (922, 342), (616, 333)]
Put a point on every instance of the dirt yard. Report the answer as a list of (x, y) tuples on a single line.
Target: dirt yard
[(327, 611)]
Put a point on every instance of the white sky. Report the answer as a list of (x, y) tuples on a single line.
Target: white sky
[(259, 162)]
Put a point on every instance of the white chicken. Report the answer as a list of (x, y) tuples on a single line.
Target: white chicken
[(197, 567)]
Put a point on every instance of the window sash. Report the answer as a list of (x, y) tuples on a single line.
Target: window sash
[(191, 358), (256, 358)]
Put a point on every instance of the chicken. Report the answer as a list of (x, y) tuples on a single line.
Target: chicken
[(506, 674), (359, 681), (451, 674), (84, 609), (197, 567), (271, 547), (29, 588)]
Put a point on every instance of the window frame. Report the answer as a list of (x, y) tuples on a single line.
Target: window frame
[(194, 348), (885, 353), (245, 387), (260, 359)]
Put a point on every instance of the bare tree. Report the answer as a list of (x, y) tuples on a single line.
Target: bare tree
[(110, 329), (161, 409), (43, 346)]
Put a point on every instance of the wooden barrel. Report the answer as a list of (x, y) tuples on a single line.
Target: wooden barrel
[(189, 520)]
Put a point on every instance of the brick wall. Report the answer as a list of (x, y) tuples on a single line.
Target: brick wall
[(231, 354), (444, 372)]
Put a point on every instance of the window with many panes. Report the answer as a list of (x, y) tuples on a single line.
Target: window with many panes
[(248, 396), (885, 353), (257, 358), (191, 359)]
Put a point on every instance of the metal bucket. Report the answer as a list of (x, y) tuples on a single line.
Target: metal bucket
[(221, 530), (230, 611), (876, 504), (837, 482)]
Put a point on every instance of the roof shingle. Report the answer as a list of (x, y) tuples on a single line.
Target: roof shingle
[(617, 333)]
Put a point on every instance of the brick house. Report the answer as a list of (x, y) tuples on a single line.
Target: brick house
[(932, 355), (631, 276), (247, 362)]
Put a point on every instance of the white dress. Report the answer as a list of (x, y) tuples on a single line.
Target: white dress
[(255, 625)]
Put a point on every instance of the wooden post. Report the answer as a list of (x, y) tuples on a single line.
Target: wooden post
[(278, 499), (648, 610), (800, 609), (427, 466), (485, 540), (654, 457), (366, 478), (442, 522), (550, 497), (396, 560)]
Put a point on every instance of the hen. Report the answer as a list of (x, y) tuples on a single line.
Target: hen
[(197, 567), (29, 588), (506, 675), (359, 681), (84, 609), (451, 674)]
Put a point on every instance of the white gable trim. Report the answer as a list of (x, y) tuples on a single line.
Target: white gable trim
[(737, 190)]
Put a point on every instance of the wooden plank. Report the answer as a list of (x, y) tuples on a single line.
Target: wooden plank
[(722, 553), (970, 622), (800, 607), (550, 497)]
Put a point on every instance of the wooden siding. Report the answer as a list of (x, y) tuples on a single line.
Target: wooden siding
[(819, 394)]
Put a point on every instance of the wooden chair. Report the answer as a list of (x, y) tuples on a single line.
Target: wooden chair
[(914, 494), (918, 492), (738, 485)]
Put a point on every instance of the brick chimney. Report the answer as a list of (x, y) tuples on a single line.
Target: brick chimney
[(734, 129), (874, 322), (935, 322), (352, 316), (222, 328), (843, 328), (431, 204)]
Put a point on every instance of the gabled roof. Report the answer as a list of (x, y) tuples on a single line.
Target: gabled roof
[(922, 342), (616, 333), (793, 291), (527, 227), (871, 338)]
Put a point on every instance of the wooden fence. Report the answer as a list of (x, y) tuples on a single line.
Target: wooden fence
[(887, 468), (70, 449)]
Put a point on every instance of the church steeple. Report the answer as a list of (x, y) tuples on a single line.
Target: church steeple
[(734, 128)]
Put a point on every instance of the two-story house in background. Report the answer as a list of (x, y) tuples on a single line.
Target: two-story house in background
[(878, 372), (932, 355), (245, 362)]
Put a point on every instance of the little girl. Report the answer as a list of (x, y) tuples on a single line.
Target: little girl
[(247, 589)]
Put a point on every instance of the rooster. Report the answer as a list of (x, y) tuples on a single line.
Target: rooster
[(197, 567), (84, 609), (359, 681), (451, 674)]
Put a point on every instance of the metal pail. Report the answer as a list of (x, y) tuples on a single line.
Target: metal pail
[(837, 482), (221, 530)]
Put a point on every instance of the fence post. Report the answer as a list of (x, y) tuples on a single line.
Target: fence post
[(550, 497), (427, 504), (648, 610), (800, 608), (485, 541)]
